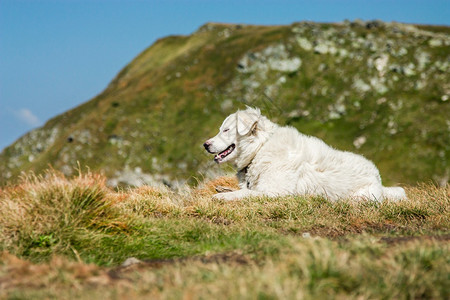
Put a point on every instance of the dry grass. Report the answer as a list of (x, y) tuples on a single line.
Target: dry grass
[(311, 269), (60, 233), (208, 188), (51, 204)]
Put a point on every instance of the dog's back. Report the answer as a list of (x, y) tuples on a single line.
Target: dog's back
[(310, 166)]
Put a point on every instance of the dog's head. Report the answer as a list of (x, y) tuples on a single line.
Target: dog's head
[(235, 128)]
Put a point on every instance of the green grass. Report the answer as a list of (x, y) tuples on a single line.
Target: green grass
[(58, 233)]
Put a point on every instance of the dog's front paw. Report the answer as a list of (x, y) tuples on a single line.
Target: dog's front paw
[(224, 196)]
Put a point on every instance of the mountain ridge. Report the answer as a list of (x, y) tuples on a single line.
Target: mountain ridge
[(378, 89)]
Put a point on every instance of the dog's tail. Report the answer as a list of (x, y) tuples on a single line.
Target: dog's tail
[(394, 193)]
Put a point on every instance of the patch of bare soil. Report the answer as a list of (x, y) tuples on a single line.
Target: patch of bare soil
[(393, 240), (220, 258), (336, 232)]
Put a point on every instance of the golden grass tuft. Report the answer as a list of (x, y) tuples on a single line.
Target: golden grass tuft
[(147, 201), (208, 188), (43, 209)]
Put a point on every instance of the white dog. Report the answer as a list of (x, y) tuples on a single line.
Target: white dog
[(275, 161)]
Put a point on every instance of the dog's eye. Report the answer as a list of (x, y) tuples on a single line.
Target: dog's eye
[(225, 130)]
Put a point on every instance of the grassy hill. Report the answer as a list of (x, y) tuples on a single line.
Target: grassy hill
[(379, 89)]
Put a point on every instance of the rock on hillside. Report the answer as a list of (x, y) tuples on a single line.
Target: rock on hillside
[(379, 89)]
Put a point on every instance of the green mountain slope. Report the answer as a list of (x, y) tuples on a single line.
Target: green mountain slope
[(379, 89)]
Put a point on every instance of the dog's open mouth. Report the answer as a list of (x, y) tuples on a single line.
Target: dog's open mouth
[(219, 157)]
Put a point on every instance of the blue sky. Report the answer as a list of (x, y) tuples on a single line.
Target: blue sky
[(56, 54)]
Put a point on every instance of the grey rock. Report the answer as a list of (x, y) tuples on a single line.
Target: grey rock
[(130, 261)]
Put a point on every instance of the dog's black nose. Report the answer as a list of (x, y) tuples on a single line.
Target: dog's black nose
[(206, 145)]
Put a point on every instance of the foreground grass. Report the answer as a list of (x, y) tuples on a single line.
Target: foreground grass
[(68, 237)]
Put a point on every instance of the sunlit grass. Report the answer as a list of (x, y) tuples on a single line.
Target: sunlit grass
[(58, 232)]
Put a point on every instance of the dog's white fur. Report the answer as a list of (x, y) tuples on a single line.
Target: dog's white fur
[(275, 161)]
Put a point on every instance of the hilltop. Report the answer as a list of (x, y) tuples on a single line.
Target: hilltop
[(378, 89)]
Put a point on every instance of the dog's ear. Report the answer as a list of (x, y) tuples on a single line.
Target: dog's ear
[(246, 122)]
